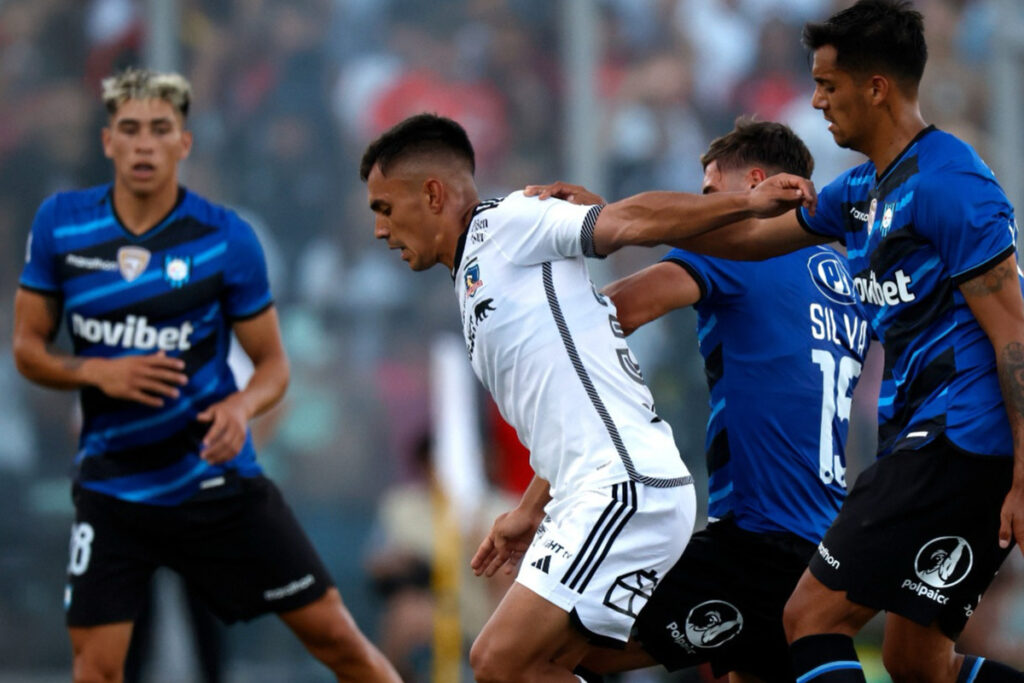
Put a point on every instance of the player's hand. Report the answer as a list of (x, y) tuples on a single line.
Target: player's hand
[(144, 379), (228, 420), (506, 543), (576, 194), (780, 193), (1011, 519)]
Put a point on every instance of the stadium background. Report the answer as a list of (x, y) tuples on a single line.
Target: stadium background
[(622, 95)]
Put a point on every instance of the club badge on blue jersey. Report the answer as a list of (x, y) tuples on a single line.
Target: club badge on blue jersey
[(473, 281), (132, 262), (890, 209), (177, 270)]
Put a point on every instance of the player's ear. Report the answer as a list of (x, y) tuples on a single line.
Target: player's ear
[(433, 192), (879, 88), (105, 137), (755, 176), (186, 144)]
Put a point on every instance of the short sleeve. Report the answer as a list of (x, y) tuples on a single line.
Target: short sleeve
[(967, 217), (827, 220), (245, 276), (718, 279), (40, 271), (534, 231)]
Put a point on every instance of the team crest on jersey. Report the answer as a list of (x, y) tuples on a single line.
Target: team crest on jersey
[(177, 270), (712, 623), (871, 216), (473, 281), (890, 209), (132, 262)]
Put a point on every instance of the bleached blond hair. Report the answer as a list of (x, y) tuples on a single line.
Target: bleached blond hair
[(143, 84)]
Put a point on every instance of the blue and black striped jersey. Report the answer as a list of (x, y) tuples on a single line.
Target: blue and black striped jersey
[(933, 219), (783, 342), (176, 288)]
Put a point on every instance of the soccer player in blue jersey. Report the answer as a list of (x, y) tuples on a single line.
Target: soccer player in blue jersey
[(151, 280), (931, 243), (783, 341)]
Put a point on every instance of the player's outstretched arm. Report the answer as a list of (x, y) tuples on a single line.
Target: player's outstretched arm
[(144, 379), (260, 338), (512, 532), (996, 302), (650, 293), (750, 225)]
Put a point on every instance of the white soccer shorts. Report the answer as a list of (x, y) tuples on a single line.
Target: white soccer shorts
[(599, 553)]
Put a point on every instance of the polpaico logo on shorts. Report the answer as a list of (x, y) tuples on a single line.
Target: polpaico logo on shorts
[(713, 623), (943, 562)]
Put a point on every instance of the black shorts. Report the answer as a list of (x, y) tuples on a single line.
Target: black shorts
[(722, 603), (918, 535), (244, 555)]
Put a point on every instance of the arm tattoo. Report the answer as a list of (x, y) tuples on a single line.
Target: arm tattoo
[(991, 281), (1011, 376)]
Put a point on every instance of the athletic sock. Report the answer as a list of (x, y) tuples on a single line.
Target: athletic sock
[(826, 658), (981, 670)]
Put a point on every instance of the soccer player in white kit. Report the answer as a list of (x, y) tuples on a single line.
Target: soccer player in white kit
[(612, 505)]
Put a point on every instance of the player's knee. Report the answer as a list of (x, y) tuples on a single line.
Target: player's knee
[(93, 669), (340, 646), (490, 665)]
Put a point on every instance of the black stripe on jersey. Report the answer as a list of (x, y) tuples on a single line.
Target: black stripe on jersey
[(250, 316), (850, 212), (184, 230), (587, 232), (595, 398), (611, 522), (925, 384), (904, 171), (898, 245), (145, 457), (923, 316), (175, 303), (718, 453), (714, 367), (95, 402), (982, 268)]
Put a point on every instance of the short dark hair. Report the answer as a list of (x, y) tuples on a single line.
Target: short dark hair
[(763, 143), (419, 134), (881, 36)]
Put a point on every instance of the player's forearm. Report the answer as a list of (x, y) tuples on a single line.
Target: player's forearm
[(536, 496), (40, 364), (267, 385), (652, 218), (1010, 365)]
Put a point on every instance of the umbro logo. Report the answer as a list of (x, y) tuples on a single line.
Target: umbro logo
[(543, 564)]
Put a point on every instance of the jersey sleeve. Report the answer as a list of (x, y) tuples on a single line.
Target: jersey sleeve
[(718, 279), (535, 231), (968, 219), (827, 220), (246, 281), (40, 271)]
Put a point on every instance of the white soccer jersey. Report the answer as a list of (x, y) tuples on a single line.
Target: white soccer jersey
[(550, 350)]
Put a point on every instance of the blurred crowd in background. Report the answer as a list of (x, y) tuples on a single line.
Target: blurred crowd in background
[(286, 95)]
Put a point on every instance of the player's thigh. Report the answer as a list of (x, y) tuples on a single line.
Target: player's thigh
[(325, 622), (99, 651), (113, 552), (525, 628)]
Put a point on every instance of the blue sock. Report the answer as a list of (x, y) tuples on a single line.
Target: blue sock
[(981, 670), (826, 658)]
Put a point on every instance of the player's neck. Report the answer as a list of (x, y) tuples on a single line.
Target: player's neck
[(451, 237), (890, 140), (138, 213)]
